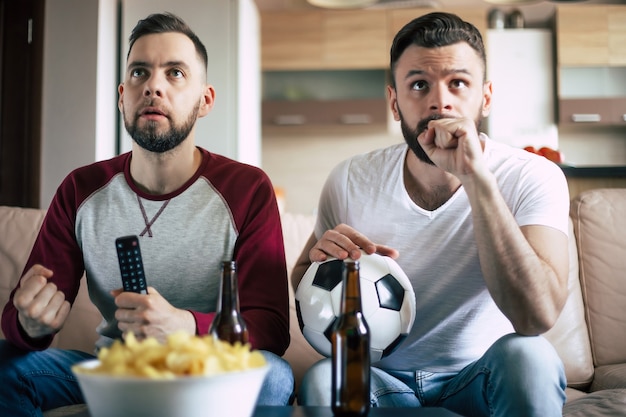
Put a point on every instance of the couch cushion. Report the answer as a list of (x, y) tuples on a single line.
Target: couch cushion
[(297, 229), (607, 403), (19, 228), (569, 335), (609, 376), (600, 227)]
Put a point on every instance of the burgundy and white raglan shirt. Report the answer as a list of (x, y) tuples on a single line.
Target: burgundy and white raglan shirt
[(226, 211)]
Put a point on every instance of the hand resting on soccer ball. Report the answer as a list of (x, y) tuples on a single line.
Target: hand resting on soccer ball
[(345, 242)]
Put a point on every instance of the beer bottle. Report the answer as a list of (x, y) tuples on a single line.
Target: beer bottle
[(228, 324), (350, 340)]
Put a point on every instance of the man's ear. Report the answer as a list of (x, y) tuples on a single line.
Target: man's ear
[(206, 100), (392, 101), (487, 92), (120, 100)]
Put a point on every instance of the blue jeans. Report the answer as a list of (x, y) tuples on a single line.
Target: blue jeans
[(33, 382), (517, 376)]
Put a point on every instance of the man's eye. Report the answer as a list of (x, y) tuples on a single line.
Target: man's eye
[(419, 85), (137, 72), (458, 84), (176, 73)]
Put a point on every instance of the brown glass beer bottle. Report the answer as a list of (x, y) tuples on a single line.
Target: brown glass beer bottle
[(350, 341), (228, 324)]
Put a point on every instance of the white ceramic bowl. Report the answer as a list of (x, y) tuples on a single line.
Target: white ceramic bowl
[(231, 394)]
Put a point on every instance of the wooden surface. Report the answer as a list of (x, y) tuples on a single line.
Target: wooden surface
[(291, 40), (582, 35), (338, 39), (608, 110), (355, 39), (617, 35), (322, 39), (319, 112), (591, 35)]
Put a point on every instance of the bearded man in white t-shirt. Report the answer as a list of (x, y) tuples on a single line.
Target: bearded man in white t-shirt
[(480, 228)]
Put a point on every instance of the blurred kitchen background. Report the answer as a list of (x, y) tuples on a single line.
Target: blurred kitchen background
[(300, 88), (558, 69)]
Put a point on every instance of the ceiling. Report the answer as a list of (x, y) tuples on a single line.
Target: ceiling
[(533, 10), (269, 5), (302, 4)]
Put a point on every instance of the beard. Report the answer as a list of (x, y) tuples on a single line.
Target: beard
[(410, 134), (151, 140)]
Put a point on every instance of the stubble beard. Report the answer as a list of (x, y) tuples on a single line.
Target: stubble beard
[(150, 139)]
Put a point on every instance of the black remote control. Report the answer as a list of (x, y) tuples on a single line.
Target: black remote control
[(131, 265)]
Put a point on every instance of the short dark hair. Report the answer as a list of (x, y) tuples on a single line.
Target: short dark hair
[(166, 23), (435, 30)]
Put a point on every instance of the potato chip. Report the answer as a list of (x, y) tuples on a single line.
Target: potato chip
[(181, 355)]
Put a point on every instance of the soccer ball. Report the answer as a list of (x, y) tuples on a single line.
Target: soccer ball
[(387, 300)]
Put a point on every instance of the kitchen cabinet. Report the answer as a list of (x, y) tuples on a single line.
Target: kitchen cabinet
[(313, 42), (592, 95), (608, 110), (291, 40), (328, 39), (332, 112), (338, 39), (355, 39), (591, 54), (330, 97), (591, 35), (617, 35)]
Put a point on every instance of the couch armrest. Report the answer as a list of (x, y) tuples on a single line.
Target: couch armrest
[(569, 335), (297, 229), (599, 218), (18, 230)]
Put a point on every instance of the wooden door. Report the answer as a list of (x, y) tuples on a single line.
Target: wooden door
[(21, 66)]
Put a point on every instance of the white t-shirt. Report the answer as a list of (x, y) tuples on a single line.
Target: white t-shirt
[(456, 318)]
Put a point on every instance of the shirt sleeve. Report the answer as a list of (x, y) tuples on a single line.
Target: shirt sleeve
[(332, 206), (261, 266), (544, 196)]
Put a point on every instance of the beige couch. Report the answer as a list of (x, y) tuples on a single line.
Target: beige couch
[(590, 335)]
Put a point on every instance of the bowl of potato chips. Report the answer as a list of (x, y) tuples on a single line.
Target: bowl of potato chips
[(191, 376)]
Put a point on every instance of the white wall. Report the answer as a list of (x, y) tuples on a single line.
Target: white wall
[(230, 32), (593, 145), (248, 67), (298, 160), (107, 81), (80, 79), (520, 65), (79, 111), (76, 115)]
